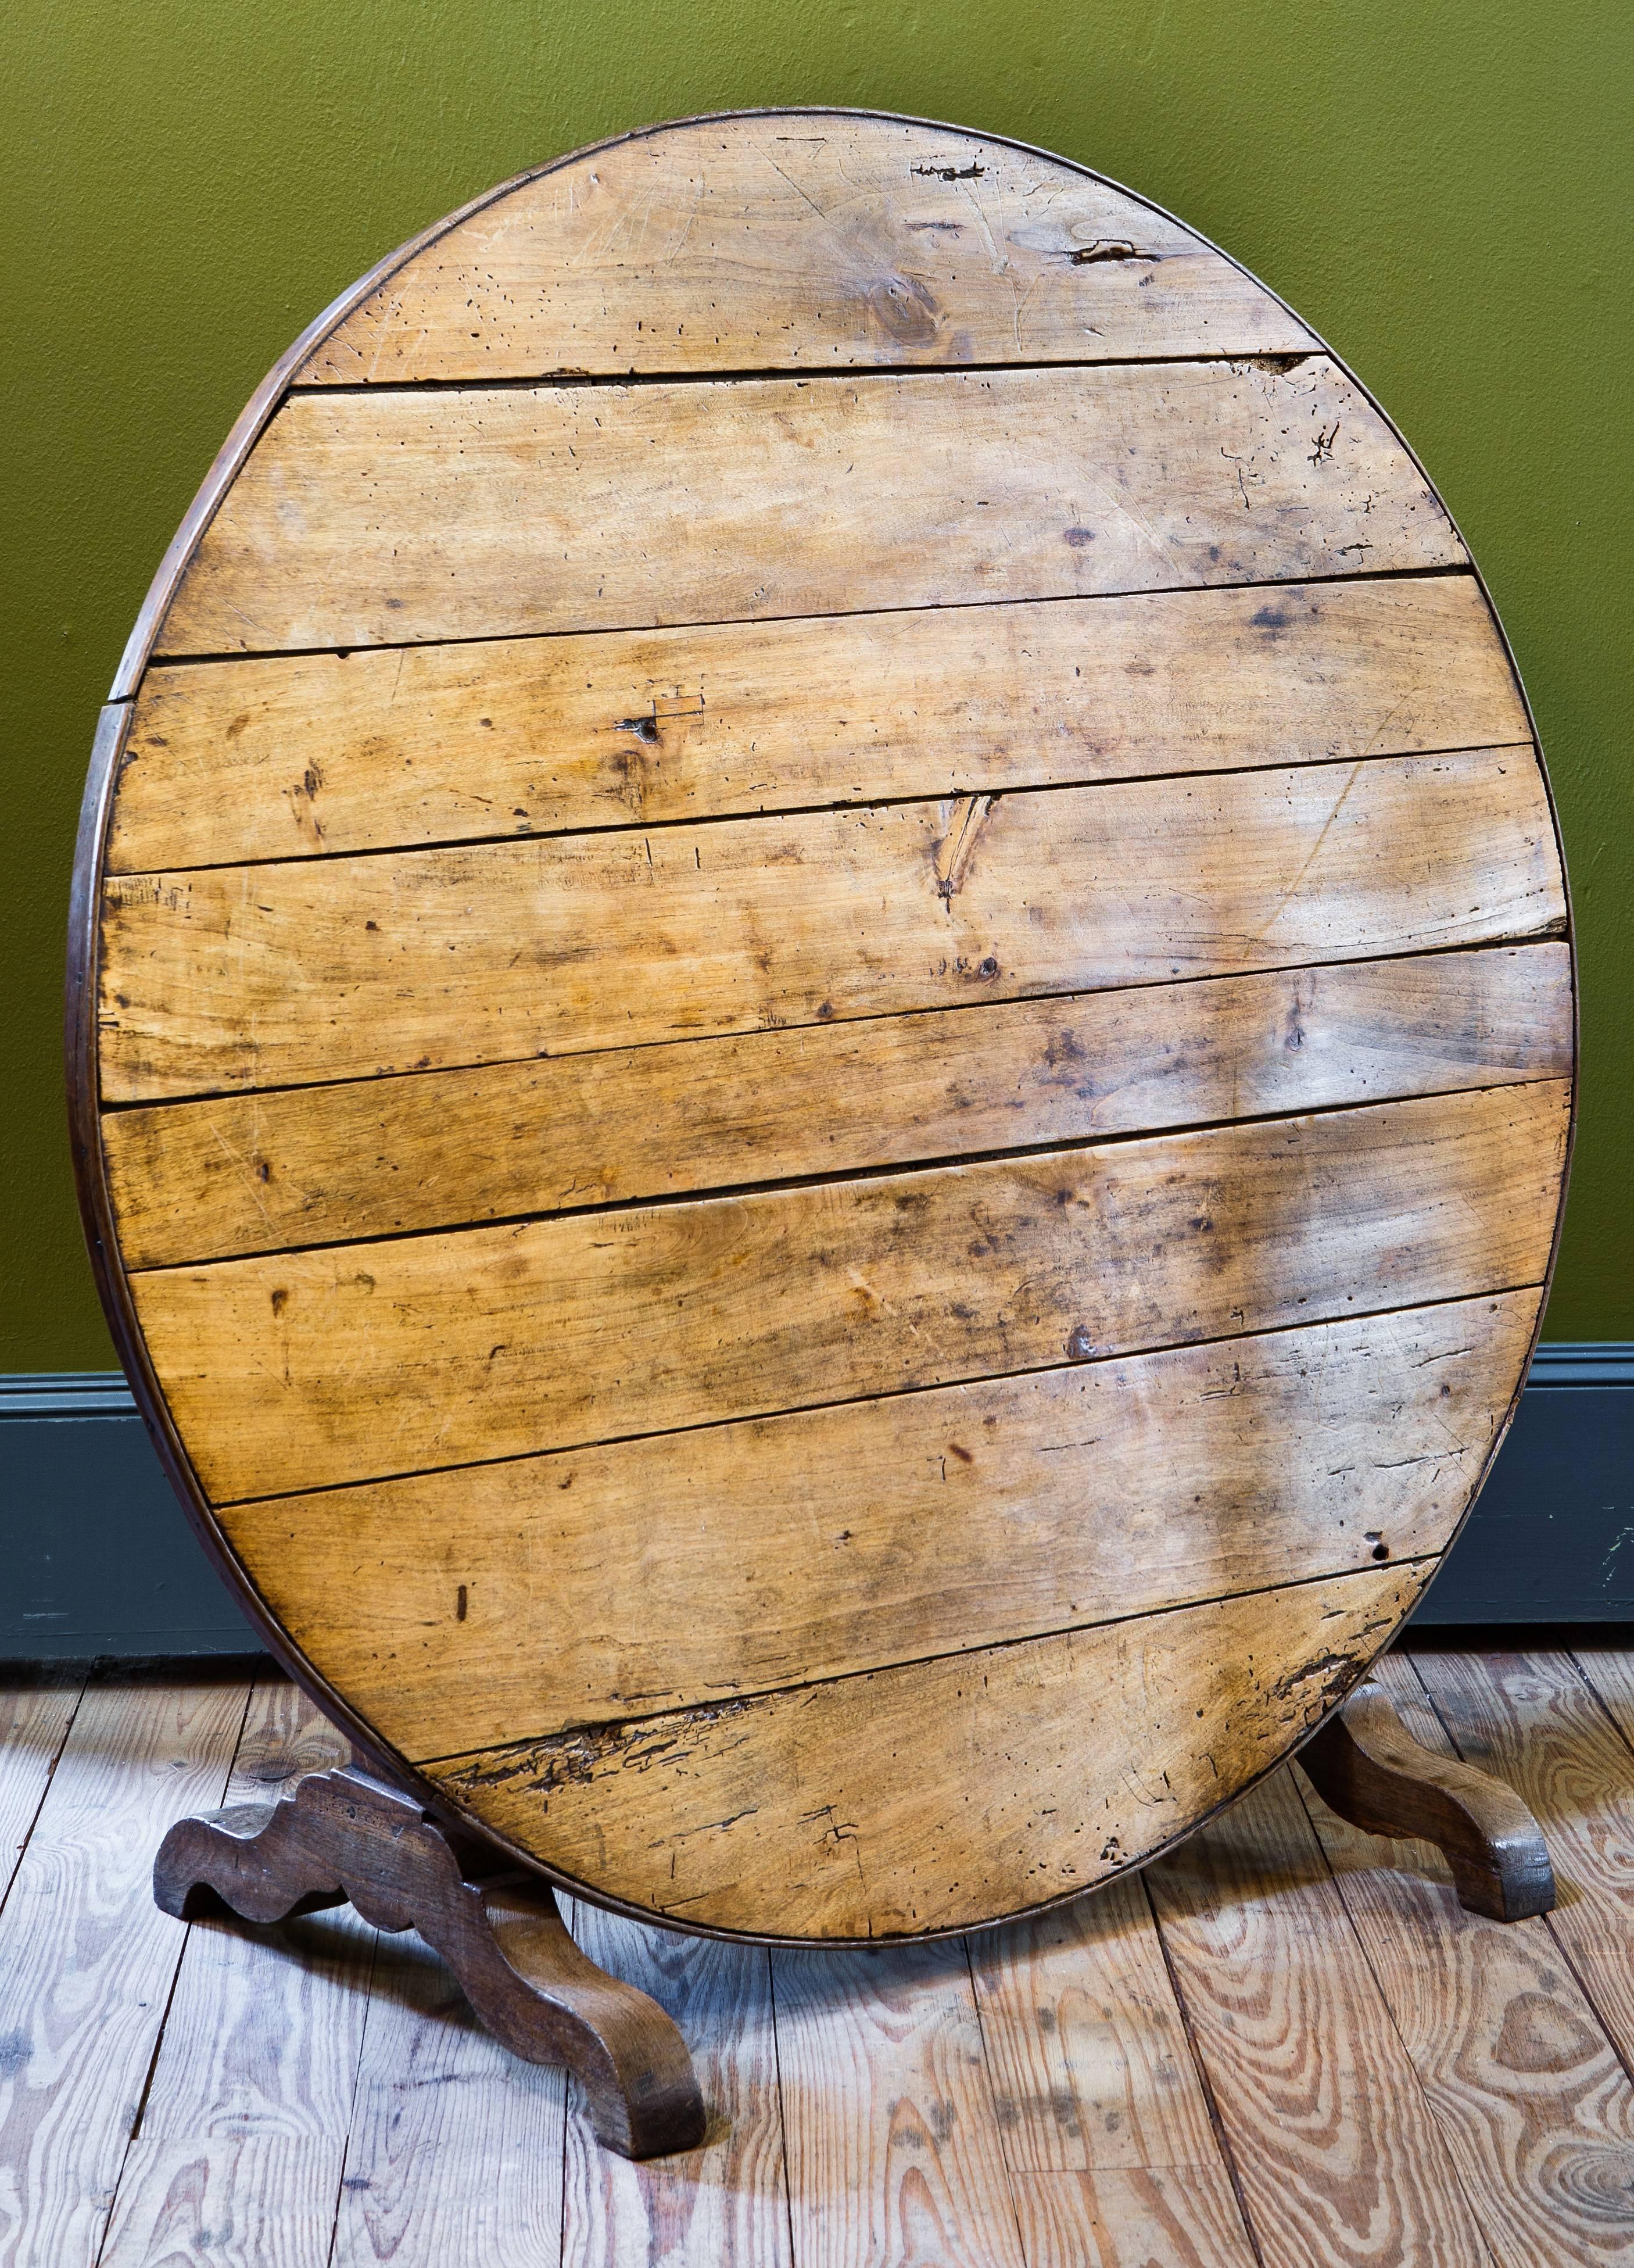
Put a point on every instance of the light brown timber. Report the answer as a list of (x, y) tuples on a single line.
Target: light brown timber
[(913, 2169), (89, 1961), (267, 1171), (1092, 2069), (280, 757), (723, 2205), (938, 1794), (340, 968), (1339, 2156), (34, 1721), (1179, 2217), (478, 1606), (355, 1362), (1536, 2110), (391, 517), (804, 238)]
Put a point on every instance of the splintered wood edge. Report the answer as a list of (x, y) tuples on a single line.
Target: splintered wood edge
[(80, 997)]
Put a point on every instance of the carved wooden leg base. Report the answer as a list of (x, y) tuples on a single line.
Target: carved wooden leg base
[(1366, 1766), (344, 1835)]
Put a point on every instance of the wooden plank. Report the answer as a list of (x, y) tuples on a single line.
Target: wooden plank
[(1536, 2108), (352, 1363), (939, 1793), (278, 758), (1340, 2160), (244, 2128), (1090, 2067), (455, 2150), (1182, 2217), (668, 1573), (1532, 1719), (310, 970), (87, 1959), (389, 518), (791, 238), (267, 1171), (725, 2205), (34, 1721), (264, 2201), (889, 2120)]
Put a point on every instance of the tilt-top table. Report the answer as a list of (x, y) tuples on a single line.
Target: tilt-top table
[(821, 1029)]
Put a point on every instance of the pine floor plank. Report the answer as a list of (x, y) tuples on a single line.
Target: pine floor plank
[(34, 1720), (1180, 2217), (889, 2119), (726, 2204), (259, 2201), (1340, 2163), (87, 1960), (1533, 1720), (1091, 2066), (455, 2154), (243, 2133), (1533, 2105)]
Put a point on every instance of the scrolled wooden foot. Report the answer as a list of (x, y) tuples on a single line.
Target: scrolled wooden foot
[(344, 1835), (1366, 1766)]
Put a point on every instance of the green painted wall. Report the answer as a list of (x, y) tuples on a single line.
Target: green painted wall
[(1444, 188)]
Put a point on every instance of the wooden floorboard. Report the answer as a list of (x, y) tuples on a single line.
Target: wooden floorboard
[(1311, 2025)]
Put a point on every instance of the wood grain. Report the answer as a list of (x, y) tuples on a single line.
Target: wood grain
[(326, 968), (392, 518), (1534, 2107), (87, 1960), (941, 1793), (265, 2025), (1535, 1721), (278, 758), (1182, 2217), (455, 2148), (258, 2200), (266, 1172), (34, 1721), (791, 238), (353, 1364), (1340, 2158), (498, 1601), (1091, 2066), (723, 2205), (892, 2134)]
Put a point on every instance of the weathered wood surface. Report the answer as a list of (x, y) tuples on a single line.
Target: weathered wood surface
[(1536, 1720), (286, 757), (357, 1363), (802, 239), (387, 518), (668, 1574), (89, 1963), (824, 809), (1182, 2217), (333, 968), (455, 2152), (1092, 2069), (916, 2171), (268, 1172), (828, 1805), (244, 2124), (1341, 2160), (35, 1722), (723, 2205), (1534, 2106), (1366, 1766)]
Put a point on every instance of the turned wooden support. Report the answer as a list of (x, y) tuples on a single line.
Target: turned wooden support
[(343, 1835), (1366, 1766)]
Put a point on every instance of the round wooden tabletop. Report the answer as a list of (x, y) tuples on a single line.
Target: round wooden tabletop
[(823, 1022)]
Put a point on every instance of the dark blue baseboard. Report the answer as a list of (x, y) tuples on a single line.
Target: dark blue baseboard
[(100, 1560)]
